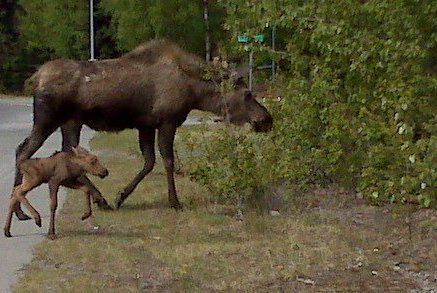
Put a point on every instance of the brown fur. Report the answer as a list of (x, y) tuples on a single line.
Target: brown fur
[(61, 169), (154, 87)]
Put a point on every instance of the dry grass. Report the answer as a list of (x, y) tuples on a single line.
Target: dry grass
[(327, 237)]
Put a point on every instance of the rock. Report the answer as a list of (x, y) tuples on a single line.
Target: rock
[(375, 273), (145, 285), (239, 216), (396, 268), (274, 213), (305, 281)]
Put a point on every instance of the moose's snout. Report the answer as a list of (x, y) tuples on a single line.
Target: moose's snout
[(264, 125), (104, 173)]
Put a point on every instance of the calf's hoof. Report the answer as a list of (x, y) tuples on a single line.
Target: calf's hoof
[(21, 215), (103, 204), (8, 234), (51, 236)]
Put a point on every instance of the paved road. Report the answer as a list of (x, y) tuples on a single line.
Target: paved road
[(15, 125)]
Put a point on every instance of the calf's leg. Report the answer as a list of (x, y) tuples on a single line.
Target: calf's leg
[(88, 213), (146, 139), (53, 188), (44, 124), (7, 228), (166, 136), (19, 195), (20, 192), (71, 138), (76, 184)]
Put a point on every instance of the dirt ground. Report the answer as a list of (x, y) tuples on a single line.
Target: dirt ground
[(326, 240)]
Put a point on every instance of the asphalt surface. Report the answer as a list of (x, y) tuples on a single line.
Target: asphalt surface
[(15, 252)]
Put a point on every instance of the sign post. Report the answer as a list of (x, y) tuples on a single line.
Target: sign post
[(245, 40), (92, 30)]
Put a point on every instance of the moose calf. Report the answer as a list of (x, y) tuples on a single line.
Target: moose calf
[(60, 169)]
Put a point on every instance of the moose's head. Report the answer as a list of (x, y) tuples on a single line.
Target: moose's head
[(242, 107)]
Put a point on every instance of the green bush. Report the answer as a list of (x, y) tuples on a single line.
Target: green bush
[(359, 109)]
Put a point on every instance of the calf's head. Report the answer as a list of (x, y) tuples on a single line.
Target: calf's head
[(89, 162)]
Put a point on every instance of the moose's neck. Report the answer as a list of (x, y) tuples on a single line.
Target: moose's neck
[(208, 98)]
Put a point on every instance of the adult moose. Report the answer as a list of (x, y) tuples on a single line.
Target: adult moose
[(152, 88)]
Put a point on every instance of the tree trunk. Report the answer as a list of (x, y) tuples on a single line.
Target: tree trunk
[(207, 31)]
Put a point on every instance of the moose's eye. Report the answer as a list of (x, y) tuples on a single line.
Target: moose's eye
[(94, 161)]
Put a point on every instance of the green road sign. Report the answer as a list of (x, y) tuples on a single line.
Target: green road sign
[(243, 39), (260, 38)]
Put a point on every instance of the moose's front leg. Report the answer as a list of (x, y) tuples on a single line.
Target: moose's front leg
[(166, 134), (53, 188)]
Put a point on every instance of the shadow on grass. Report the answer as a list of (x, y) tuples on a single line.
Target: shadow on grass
[(101, 233), (145, 206)]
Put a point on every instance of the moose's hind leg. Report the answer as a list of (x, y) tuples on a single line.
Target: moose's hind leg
[(44, 124), (146, 138), (166, 136)]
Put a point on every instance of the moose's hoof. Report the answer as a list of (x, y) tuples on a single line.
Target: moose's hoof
[(8, 234), (52, 236), (22, 216), (177, 206), (86, 216), (38, 221), (119, 200)]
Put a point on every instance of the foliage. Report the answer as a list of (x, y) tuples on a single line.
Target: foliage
[(33, 31), (360, 98), (229, 164), (57, 25), (180, 21)]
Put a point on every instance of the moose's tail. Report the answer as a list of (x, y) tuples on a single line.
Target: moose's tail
[(31, 83)]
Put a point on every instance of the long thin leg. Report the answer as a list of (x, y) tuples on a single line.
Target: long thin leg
[(25, 150), (53, 187), (75, 184), (21, 196), (7, 229), (146, 138), (88, 212), (20, 192), (70, 134), (71, 138), (166, 135)]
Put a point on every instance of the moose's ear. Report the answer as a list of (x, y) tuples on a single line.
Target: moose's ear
[(237, 77)]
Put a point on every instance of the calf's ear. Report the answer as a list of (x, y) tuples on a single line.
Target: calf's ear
[(75, 151)]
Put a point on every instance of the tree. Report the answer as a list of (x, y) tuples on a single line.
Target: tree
[(60, 26), (207, 30), (181, 21)]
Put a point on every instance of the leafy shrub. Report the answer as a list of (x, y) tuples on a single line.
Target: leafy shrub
[(359, 108)]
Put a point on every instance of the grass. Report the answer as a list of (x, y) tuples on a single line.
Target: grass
[(326, 237)]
